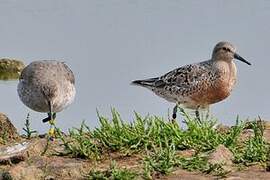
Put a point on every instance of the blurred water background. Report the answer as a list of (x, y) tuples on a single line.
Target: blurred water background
[(107, 44)]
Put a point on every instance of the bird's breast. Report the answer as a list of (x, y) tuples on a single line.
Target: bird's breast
[(225, 82), (219, 87)]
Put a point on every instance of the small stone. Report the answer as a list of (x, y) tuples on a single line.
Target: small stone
[(25, 172), (13, 154), (222, 156), (7, 130), (246, 135)]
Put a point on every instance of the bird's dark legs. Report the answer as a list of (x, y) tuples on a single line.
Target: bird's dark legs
[(52, 116), (197, 113), (174, 113), (51, 119), (207, 112)]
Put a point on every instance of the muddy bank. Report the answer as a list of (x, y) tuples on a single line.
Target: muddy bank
[(23, 158)]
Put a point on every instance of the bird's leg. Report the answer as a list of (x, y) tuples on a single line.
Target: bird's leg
[(174, 112), (197, 113), (47, 118), (207, 112), (52, 125), (51, 118)]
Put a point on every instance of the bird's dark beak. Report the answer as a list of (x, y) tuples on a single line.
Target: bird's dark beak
[(237, 56)]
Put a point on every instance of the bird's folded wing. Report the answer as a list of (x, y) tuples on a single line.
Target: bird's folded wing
[(186, 77)]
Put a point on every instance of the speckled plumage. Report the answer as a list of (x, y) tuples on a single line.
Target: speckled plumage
[(45, 82), (200, 84)]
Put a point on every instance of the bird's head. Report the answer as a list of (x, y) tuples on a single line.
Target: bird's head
[(227, 52)]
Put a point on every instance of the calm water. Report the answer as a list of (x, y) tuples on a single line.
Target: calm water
[(109, 43)]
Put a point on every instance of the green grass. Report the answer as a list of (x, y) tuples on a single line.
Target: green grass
[(27, 129), (160, 159), (113, 173), (80, 143), (165, 159), (255, 149), (157, 141)]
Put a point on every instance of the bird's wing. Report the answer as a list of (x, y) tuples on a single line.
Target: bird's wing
[(186, 77), (69, 73)]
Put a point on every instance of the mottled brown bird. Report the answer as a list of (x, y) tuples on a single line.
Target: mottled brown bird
[(196, 86)]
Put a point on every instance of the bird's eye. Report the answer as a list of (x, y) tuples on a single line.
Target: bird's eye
[(226, 49)]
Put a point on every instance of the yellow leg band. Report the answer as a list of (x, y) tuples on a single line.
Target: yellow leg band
[(51, 132)]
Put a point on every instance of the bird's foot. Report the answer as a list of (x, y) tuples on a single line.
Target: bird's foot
[(49, 118), (46, 119)]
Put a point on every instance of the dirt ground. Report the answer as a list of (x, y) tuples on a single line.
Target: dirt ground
[(23, 159)]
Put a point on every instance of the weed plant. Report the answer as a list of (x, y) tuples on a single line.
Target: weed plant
[(27, 129), (113, 173), (157, 142)]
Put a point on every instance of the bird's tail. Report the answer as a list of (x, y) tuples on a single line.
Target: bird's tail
[(146, 82)]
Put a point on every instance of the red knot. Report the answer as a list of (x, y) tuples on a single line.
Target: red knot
[(196, 86), (47, 86)]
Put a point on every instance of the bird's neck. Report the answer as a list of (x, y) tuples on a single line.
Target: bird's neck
[(227, 71), (225, 66)]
